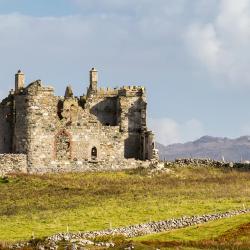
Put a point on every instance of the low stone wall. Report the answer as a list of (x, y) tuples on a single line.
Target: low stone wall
[(13, 163), (18, 163), (151, 227), (88, 238), (207, 163), (91, 166)]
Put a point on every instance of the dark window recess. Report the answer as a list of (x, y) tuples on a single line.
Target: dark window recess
[(94, 153), (60, 109)]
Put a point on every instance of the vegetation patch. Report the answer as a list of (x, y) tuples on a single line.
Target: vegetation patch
[(43, 205), (4, 180), (230, 233)]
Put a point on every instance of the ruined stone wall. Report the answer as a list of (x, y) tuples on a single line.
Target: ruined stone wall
[(62, 134), (13, 163), (101, 130), (20, 135), (105, 109), (132, 106), (126, 108), (6, 126), (41, 124)]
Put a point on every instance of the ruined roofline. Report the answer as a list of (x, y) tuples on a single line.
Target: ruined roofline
[(121, 90), (129, 87), (129, 90)]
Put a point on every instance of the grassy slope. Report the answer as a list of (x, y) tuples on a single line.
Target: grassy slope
[(89, 201), (230, 233), (205, 231)]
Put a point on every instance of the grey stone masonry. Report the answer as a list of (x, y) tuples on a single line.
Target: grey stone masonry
[(106, 128), (13, 163)]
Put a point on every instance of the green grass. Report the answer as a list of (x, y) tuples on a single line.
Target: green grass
[(44, 205), (230, 233), (204, 231)]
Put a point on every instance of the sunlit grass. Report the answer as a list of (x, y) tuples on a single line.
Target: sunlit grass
[(204, 231), (43, 205), (229, 233)]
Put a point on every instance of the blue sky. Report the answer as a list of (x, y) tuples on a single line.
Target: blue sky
[(192, 55)]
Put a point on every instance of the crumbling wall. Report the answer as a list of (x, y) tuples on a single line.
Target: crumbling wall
[(20, 135), (42, 119), (132, 119), (65, 135), (103, 128), (6, 129), (105, 110), (13, 163)]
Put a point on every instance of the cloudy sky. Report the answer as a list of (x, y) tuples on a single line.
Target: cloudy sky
[(192, 55)]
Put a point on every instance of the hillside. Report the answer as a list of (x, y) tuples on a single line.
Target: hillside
[(235, 150), (47, 204)]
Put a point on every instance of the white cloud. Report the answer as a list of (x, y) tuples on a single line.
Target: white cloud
[(222, 44), (169, 131), (58, 49), (204, 44), (166, 130)]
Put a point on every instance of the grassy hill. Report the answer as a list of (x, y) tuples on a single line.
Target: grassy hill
[(43, 205)]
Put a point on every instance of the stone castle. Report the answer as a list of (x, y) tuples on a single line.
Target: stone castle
[(104, 129)]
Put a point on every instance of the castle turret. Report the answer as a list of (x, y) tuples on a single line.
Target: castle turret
[(19, 81)]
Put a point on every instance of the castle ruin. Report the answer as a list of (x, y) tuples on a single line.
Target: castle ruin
[(104, 129)]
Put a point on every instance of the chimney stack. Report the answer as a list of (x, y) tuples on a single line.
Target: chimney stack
[(19, 81), (93, 78)]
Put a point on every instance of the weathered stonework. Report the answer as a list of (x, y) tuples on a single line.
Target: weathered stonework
[(104, 129), (13, 163)]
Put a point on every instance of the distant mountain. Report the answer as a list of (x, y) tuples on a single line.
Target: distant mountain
[(235, 150)]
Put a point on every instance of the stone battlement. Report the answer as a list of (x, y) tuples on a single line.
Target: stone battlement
[(124, 91), (107, 91)]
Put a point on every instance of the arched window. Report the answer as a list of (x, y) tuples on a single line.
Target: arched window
[(63, 146), (94, 153)]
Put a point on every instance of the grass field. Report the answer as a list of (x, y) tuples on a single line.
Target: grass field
[(43, 205), (230, 233)]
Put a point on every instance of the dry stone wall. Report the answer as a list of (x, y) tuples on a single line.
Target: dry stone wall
[(207, 163), (82, 239), (151, 227)]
